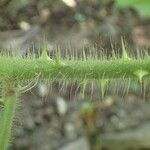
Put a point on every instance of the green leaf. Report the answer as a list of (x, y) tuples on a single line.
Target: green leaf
[(142, 6)]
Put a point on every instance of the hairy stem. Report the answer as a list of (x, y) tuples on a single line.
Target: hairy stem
[(10, 99), (23, 69)]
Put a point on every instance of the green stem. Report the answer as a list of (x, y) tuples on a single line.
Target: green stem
[(23, 69), (10, 99)]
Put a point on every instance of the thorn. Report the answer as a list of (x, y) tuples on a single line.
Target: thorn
[(140, 74), (44, 54), (124, 51), (57, 58), (58, 61)]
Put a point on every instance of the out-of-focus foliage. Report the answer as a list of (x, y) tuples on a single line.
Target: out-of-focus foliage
[(142, 6)]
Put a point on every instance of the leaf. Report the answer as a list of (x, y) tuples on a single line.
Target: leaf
[(142, 6)]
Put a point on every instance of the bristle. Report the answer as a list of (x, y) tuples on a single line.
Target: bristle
[(124, 51), (83, 88), (103, 84), (92, 88)]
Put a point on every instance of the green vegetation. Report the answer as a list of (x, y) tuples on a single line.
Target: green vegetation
[(10, 96), (27, 69), (16, 69), (99, 18), (142, 6)]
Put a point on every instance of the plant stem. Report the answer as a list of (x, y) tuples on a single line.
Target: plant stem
[(10, 99), (24, 69)]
